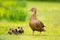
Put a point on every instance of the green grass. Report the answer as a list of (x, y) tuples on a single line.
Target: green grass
[(13, 10), (47, 12)]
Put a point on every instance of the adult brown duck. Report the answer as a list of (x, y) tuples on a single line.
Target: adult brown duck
[(34, 23)]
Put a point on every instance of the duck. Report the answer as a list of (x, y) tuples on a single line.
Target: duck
[(34, 23)]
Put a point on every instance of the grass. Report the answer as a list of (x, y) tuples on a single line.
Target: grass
[(13, 10), (47, 12)]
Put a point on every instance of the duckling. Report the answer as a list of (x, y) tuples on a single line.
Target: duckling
[(10, 31), (20, 30)]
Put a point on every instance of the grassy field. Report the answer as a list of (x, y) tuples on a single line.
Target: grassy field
[(47, 12)]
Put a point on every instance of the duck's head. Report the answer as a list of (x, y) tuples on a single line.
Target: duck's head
[(33, 9)]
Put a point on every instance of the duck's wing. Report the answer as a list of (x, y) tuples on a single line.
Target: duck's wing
[(42, 24), (39, 24)]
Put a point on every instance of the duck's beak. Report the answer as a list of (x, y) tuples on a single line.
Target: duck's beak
[(30, 10)]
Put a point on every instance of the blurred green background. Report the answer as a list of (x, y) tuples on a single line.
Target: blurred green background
[(13, 10), (14, 13)]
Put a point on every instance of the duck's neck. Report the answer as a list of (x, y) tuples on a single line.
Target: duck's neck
[(33, 17)]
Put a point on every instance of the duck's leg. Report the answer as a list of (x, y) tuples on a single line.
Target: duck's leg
[(40, 33), (33, 32)]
